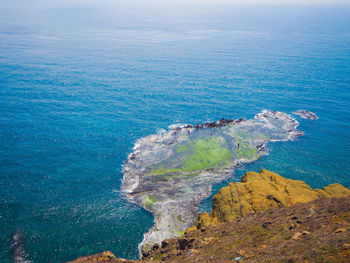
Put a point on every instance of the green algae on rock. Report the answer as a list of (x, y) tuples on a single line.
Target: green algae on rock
[(170, 173)]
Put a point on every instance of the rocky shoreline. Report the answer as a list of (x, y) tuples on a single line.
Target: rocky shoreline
[(169, 173)]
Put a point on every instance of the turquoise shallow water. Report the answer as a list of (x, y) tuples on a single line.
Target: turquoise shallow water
[(80, 83)]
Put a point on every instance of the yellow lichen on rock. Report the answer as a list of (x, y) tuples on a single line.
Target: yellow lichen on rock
[(333, 190), (260, 191), (204, 220)]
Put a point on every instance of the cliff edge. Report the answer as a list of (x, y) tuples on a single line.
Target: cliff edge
[(261, 191)]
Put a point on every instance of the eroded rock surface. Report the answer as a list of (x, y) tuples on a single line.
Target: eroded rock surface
[(170, 173)]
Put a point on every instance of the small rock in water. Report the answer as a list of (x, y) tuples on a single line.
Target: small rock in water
[(305, 114)]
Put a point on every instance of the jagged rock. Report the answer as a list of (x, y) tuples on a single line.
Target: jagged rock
[(164, 244), (183, 244), (260, 191)]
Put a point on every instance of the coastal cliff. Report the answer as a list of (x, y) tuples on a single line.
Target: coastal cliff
[(263, 218), (261, 191)]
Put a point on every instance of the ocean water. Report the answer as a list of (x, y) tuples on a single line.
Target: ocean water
[(81, 81)]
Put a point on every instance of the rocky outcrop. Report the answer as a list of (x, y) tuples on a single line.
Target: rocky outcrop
[(260, 191), (169, 173)]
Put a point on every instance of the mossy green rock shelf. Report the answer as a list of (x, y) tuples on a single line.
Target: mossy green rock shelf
[(170, 173)]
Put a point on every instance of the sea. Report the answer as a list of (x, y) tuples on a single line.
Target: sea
[(81, 81)]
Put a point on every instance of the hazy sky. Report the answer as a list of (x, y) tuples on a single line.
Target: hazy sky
[(187, 2), (215, 2)]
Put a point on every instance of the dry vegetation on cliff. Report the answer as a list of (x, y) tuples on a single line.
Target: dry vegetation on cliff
[(318, 231)]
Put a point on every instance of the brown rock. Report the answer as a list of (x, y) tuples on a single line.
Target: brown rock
[(339, 230), (164, 244)]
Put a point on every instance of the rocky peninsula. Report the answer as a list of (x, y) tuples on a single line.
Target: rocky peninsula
[(263, 218), (171, 172)]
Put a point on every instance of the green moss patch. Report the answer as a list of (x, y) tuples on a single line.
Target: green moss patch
[(207, 153), (200, 154)]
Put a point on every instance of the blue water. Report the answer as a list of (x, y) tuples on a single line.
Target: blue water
[(81, 81)]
